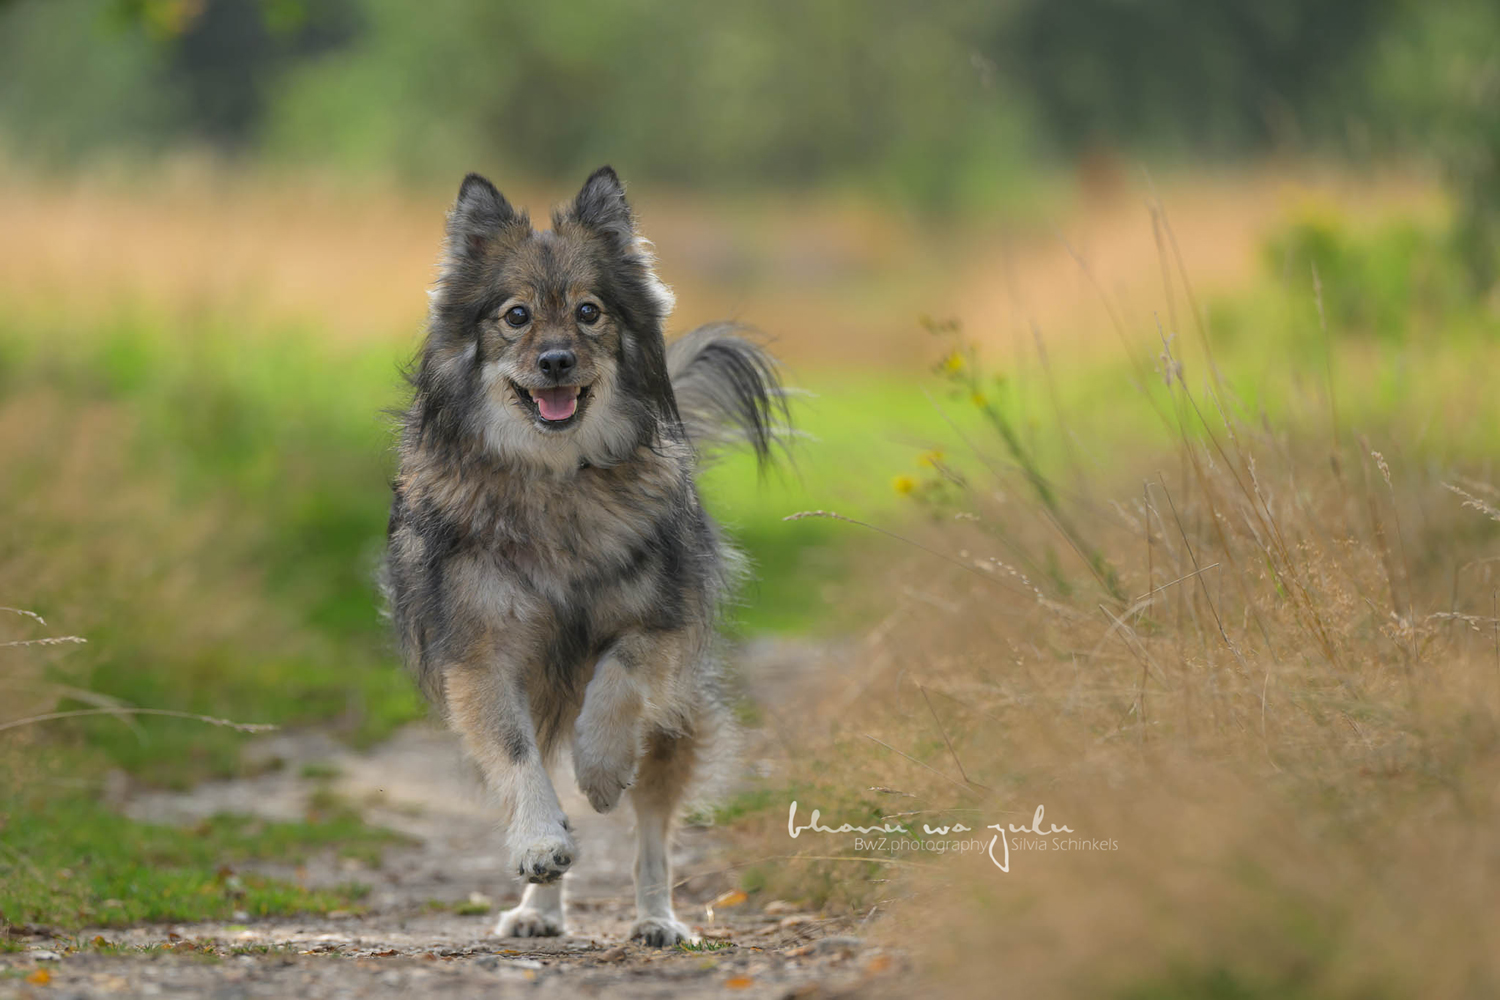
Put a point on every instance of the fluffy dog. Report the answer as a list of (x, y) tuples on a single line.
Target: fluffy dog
[(552, 575)]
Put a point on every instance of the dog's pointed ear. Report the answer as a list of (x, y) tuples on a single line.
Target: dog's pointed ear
[(602, 207), (478, 216)]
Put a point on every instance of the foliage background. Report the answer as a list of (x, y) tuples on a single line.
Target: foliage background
[(936, 104)]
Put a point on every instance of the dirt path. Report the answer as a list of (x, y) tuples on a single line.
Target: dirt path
[(409, 940)]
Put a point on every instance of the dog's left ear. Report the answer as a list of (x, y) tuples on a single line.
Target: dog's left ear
[(602, 207)]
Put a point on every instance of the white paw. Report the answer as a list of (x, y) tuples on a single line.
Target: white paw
[(524, 922), (660, 932), (545, 857), (604, 772)]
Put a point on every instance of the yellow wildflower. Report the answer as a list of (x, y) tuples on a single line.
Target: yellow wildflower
[(904, 484)]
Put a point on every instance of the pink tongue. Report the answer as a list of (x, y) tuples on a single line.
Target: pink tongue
[(556, 404)]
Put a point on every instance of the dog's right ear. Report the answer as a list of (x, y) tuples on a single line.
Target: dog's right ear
[(478, 216)]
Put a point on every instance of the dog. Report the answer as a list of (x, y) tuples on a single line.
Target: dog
[(551, 573)]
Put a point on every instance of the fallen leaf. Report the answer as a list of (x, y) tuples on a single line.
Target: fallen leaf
[(734, 897), (41, 977), (739, 982), (724, 901), (879, 963)]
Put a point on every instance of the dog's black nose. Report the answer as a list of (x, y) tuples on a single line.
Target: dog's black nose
[(556, 364)]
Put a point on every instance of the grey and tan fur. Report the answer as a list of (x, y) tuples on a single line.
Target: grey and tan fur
[(552, 575)]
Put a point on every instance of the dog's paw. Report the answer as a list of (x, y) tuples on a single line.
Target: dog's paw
[(544, 858), (660, 932), (524, 922), (603, 774)]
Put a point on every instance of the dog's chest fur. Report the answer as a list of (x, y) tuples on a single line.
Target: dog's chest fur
[(619, 547)]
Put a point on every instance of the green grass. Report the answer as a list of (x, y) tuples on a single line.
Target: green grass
[(458, 907), (222, 559), (68, 862), (857, 432)]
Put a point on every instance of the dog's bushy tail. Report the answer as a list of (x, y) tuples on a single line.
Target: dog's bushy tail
[(728, 391)]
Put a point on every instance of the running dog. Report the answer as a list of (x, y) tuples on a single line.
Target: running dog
[(551, 573)]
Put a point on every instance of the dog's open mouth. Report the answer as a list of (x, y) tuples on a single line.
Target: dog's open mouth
[(556, 406)]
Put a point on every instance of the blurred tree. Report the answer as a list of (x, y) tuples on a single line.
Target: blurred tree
[(226, 55), (939, 104), (77, 76), (72, 82), (779, 92), (1434, 85), (1209, 76)]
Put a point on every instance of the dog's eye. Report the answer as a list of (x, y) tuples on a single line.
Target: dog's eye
[(588, 314), (517, 315)]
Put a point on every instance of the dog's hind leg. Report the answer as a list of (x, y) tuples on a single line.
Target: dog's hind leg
[(540, 913), (664, 772), (492, 716)]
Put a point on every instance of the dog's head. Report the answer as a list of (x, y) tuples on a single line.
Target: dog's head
[(549, 342)]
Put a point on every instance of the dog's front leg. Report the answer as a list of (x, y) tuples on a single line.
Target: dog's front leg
[(490, 712), (608, 734)]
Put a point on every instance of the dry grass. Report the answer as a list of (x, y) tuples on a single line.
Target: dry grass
[(169, 586), (352, 261), (1021, 282), (835, 282), (1289, 727)]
